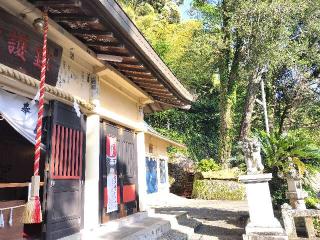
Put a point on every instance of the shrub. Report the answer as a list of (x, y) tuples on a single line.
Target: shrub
[(218, 190), (282, 154), (312, 202), (316, 223), (207, 165)]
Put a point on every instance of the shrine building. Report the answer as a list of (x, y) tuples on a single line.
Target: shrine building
[(99, 160)]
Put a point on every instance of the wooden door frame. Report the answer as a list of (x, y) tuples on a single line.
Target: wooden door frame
[(47, 178), (101, 166)]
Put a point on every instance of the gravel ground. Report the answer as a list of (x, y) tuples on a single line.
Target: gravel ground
[(221, 220)]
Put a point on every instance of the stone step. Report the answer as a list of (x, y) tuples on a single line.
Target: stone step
[(149, 228), (174, 235), (179, 220)]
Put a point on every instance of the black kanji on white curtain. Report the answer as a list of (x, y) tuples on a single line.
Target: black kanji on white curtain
[(20, 113)]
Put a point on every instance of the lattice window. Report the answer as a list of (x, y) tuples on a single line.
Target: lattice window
[(66, 153)]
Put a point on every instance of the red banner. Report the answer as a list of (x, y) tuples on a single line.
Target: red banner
[(111, 163)]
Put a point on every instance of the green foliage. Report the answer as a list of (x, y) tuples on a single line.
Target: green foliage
[(224, 174), (281, 153), (312, 202), (218, 190), (206, 165), (292, 149), (171, 180), (316, 223), (278, 187), (280, 35)]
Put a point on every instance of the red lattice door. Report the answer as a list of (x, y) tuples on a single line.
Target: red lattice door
[(64, 191)]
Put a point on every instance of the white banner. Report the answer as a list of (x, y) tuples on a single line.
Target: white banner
[(20, 112)]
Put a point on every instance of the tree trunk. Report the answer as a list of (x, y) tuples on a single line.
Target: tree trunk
[(228, 71), (252, 90), (226, 124), (265, 109), (227, 99)]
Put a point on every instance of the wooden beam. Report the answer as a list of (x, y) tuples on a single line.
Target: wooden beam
[(162, 94), (91, 32), (144, 79), (137, 69), (111, 50), (130, 59), (135, 73), (59, 4), (109, 58), (129, 66), (16, 185), (73, 18), (149, 89), (150, 84), (103, 44)]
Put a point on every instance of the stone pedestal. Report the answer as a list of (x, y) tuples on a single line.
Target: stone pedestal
[(295, 193), (296, 196), (262, 223)]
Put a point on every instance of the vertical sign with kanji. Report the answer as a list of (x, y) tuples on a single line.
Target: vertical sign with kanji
[(21, 49), (111, 163)]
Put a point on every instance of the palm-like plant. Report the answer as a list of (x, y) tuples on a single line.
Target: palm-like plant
[(282, 152)]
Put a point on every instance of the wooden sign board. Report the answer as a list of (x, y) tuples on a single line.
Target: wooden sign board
[(21, 49)]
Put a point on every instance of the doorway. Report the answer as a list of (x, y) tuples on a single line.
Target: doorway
[(118, 167), (16, 169)]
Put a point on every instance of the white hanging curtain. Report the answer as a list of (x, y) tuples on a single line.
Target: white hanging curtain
[(21, 113)]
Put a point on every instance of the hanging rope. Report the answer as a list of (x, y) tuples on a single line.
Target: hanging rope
[(41, 97), (32, 213)]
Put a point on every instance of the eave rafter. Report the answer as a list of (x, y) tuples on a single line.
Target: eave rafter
[(136, 67), (96, 30), (58, 4), (66, 17)]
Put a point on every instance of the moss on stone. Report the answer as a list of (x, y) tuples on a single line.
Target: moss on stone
[(218, 190)]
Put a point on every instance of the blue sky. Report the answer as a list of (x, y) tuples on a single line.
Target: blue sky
[(184, 9)]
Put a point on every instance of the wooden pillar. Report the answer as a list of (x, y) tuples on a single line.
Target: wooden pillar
[(141, 156), (91, 191)]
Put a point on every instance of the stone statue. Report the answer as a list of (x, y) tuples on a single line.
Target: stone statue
[(251, 149)]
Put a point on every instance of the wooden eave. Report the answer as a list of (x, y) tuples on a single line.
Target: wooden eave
[(106, 29)]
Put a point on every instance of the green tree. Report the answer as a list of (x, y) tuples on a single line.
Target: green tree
[(256, 37)]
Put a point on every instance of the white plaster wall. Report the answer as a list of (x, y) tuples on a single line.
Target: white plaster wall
[(118, 104), (74, 75), (159, 152)]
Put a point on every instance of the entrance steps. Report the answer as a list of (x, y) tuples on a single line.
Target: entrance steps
[(143, 226)]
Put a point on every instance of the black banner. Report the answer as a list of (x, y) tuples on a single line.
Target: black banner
[(21, 49)]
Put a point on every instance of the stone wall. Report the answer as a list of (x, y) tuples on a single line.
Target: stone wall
[(182, 170), (219, 185)]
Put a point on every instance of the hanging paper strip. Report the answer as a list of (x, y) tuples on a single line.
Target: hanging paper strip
[(11, 217), (111, 163), (1, 219)]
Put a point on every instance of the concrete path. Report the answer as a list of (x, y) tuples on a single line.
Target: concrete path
[(221, 220)]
